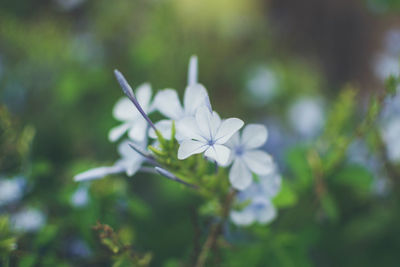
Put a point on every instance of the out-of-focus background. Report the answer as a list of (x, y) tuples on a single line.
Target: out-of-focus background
[(280, 63)]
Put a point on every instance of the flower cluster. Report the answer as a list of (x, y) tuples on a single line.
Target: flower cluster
[(191, 128)]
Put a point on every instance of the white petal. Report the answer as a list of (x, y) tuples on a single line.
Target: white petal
[(216, 122), (192, 72), (190, 147), (254, 135), (124, 110), (187, 128), (259, 162), (164, 127), (206, 122), (271, 184), (239, 175), (228, 128), (125, 151), (116, 132), (234, 141), (266, 214), (219, 153), (131, 166), (167, 102), (97, 173), (244, 217), (143, 96), (138, 130), (195, 96)]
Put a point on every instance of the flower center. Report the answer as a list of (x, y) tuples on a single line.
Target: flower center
[(239, 150), (211, 142)]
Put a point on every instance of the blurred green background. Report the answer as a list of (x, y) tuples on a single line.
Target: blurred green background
[(281, 63)]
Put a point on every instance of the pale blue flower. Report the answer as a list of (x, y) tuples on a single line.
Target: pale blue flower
[(247, 157), (391, 133), (259, 194), (11, 190), (307, 116), (28, 220), (80, 197), (262, 85), (207, 133)]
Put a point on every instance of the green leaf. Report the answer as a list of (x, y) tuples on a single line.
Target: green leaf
[(286, 197), (355, 176), (330, 207)]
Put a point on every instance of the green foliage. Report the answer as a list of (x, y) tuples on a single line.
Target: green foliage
[(8, 241)]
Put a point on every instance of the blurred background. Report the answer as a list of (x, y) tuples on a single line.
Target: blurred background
[(280, 63)]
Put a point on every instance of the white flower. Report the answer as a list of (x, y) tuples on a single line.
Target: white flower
[(262, 85), (260, 209), (207, 133), (28, 220), (386, 65), (130, 162), (167, 102), (132, 120), (391, 133), (307, 116), (80, 197), (11, 190), (247, 158)]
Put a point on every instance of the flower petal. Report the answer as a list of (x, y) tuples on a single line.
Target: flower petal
[(228, 128), (131, 166), (116, 132), (254, 135), (97, 173), (234, 141), (259, 162), (219, 153), (243, 218), (239, 175), (195, 96), (271, 184), (164, 127), (204, 120), (143, 96), (124, 110), (192, 72), (138, 130), (186, 129), (167, 102), (190, 147), (266, 214)]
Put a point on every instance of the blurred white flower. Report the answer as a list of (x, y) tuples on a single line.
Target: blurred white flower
[(130, 162), (79, 248), (69, 4), (167, 102), (391, 136), (307, 116), (11, 190), (247, 158), (262, 85), (392, 41), (386, 65), (260, 208), (207, 133), (132, 121), (28, 220), (80, 197)]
